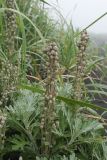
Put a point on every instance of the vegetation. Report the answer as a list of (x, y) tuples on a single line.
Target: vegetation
[(50, 75)]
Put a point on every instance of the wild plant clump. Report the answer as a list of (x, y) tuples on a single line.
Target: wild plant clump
[(81, 64), (9, 81), (10, 20), (9, 71), (2, 129), (48, 120)]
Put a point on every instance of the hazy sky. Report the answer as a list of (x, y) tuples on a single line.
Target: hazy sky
[(83, 12)]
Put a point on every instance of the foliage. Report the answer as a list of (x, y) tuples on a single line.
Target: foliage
[(77, 130), (72, 135)]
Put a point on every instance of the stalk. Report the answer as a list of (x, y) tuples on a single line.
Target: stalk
[(49, 115), (2, 130), (10, 20), (9, 71), (80, 66)]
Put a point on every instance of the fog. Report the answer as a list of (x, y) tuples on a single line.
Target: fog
[(84, 12)]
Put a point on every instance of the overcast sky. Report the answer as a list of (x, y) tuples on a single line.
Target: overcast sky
[(83, 12)]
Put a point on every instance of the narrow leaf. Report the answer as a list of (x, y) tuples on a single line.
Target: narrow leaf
[(73, 102)]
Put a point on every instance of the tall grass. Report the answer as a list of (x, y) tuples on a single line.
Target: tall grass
[(43, 118)]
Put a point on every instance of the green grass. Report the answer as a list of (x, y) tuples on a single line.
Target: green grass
[(79, 133)]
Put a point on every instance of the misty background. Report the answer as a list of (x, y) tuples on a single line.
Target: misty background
[(84, 12)]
